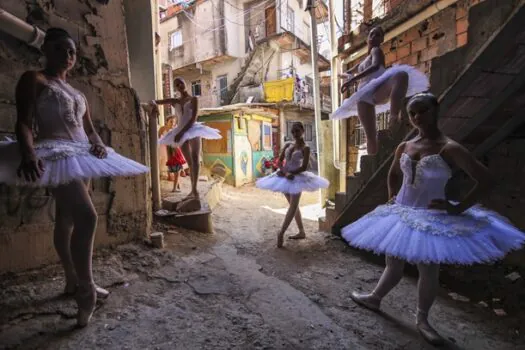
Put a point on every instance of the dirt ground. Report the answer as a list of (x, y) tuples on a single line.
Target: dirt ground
[(235, 290)]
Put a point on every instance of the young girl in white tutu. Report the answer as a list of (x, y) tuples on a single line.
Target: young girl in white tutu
[(188, 132), (292, 179), (420, 225), (379, 89), (64, 155)]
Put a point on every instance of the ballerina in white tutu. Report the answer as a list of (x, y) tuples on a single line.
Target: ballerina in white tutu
[(292, 179), (64, 155), (188, 132), (420, 225), (379, 89)]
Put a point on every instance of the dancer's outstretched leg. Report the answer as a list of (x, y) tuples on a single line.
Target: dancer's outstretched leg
[(399, 83), (298, 221), (290, 214), (367, 116), (427, 288), (389, 279)]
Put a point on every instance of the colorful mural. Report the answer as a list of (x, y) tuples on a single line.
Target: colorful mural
[(258, 161), (220, 165), (243, 160)]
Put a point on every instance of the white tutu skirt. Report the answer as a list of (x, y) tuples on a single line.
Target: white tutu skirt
[(432, 236), (305, 181), (196, 130), (65, 161), (417, 82)]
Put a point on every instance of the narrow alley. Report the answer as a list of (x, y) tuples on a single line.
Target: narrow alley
[(235, 290)]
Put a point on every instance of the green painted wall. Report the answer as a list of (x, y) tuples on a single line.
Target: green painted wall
[(220, 163), (256, 161)]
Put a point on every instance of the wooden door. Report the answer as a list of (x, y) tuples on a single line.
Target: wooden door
[(271, 20)]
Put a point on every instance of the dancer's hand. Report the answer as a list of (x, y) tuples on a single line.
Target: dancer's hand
[(344, 76), (31, 168), (280, 173), (99, 151), (290, 176), (177, 138), (347, 85), (442, 204)]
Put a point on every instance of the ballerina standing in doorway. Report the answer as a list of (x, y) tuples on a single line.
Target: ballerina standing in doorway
[(63, 153), (379, 89), (292, 179), (187, 133)]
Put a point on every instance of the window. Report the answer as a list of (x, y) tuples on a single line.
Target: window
[(266, 136), (290, 19), (196, 88), (308, 132), (222, 89), (175, 39), (306, 34)]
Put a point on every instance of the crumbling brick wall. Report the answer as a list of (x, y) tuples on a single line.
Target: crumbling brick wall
[(26, 216)]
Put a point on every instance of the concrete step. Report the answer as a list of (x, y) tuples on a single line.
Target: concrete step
[(340, 200), (326, 223), (353, 185)]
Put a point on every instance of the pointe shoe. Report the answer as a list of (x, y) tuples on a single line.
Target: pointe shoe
[(369, 301), (280, 240), (86, 301), (102, 293), (430, 334), (300, 235)]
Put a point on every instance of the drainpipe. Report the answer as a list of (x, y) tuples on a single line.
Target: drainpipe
[(21, 30), (339, 126), (428, 12)]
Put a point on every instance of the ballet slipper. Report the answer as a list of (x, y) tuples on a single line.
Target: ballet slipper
[(370, 301), (102, 293), (86, 298), (300, 235), (280, 240), (430, 334)]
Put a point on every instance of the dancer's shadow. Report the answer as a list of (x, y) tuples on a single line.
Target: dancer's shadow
[(410, 330)]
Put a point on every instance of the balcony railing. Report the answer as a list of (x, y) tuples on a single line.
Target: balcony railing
[(294, 90)]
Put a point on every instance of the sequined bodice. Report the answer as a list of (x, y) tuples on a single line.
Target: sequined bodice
[(423, 180), (60, 109), (183, 113), (364, 65), (294, 158)]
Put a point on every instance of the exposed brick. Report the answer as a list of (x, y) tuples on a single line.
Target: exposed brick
[(390, 57), (410, 35), (461, 12), (461, 25), (420, 44), (429, 53), (403, 51), (461, 39), (413, 59)]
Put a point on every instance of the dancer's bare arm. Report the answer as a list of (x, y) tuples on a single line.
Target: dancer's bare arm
[(281, 159), (167, 101), (98, 149), (304, 165), (462, 158), (395, 175), (28, 88)]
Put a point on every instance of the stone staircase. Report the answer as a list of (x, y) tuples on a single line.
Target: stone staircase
[(252, 72), (473, 83)]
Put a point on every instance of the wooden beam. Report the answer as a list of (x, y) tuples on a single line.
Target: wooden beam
[(501, 134)]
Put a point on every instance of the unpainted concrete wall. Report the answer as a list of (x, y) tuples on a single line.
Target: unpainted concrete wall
[(102, 74)]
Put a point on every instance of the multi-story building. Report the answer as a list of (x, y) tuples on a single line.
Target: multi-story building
[(241, 51)]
